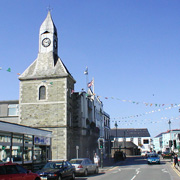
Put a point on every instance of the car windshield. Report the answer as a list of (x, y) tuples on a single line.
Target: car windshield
[(75, 161), (53, 165)]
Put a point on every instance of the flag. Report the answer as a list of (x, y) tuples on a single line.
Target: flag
[(86, 71), (90, 83), (9, 69)]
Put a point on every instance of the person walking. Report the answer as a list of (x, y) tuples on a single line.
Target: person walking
[(175, 160), (96, 159)]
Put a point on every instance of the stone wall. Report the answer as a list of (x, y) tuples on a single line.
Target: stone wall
[(49, 114)]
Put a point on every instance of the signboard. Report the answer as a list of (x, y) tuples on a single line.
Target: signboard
[(40, 140)]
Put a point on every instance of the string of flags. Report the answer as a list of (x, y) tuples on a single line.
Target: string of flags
[(172, 105), (9, 70), (146, 113), (138, 102), (114, 98), (145, 121)]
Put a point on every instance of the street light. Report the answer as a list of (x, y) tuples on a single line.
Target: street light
[(116, 133), (170, 141)]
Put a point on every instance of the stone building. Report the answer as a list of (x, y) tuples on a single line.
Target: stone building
[(47, 101), (45, 93)]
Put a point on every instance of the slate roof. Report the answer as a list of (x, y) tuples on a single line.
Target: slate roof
[(127, 144), (130, 132)]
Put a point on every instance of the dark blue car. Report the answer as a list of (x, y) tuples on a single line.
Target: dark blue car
[(57, 170)]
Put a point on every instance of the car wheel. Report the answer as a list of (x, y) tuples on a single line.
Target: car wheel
[(37, 179), (96, 170), (73, 176), (59, 178), (85, 172)]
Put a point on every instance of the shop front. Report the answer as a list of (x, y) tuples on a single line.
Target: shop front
[(28, 146)]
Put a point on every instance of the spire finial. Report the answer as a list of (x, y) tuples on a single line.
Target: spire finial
[(49, 8)]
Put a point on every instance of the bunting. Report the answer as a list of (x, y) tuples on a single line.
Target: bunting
[(9, 70)]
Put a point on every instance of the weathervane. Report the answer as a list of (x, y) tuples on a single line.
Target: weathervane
[(49, 8)]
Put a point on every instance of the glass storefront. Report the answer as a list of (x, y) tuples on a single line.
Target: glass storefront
[(24, 148), (5, 144)]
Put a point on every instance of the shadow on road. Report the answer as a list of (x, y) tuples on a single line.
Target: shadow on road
[(78, 177), (131, 160)]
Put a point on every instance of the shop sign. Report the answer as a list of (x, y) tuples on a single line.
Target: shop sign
[(40, 140)]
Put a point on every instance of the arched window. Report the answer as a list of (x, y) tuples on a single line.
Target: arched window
[(42, 93)]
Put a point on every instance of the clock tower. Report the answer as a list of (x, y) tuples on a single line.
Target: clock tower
[(48, 40), (45, 93)]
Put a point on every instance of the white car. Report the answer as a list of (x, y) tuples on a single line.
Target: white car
[(84, 166), (144, 153)]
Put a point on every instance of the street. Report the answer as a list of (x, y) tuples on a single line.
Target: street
[(136, 168)]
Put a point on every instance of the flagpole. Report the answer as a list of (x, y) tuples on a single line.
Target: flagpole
[(87, 83), (93, 85), (86, 73)]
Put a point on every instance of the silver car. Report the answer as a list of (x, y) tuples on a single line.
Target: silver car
[(84, 166)]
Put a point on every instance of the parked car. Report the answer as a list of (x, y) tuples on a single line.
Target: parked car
[(144, 153), (57, 170), (167, 155), (16, 172), (84, 166), (153, 158)]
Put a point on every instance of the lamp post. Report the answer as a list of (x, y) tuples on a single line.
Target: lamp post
[(125, 141), (116, 133), (169, 122)]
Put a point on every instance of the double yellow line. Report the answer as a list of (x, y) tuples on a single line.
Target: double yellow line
[(177, 172)]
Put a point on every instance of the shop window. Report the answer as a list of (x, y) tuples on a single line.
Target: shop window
[(13, 109), (40, 154), (4, 153), (27, 156), (42, 93)]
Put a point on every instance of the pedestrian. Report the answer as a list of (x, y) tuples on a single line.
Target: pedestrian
[(175, 160), (96, 159)]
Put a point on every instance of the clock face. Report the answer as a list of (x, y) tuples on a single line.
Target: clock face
[(46, 42)]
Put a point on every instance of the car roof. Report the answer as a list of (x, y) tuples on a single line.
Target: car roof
[(79, 158), (7, 163), (57, 160)]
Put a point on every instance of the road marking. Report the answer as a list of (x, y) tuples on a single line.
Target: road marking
[(177, 172), (165, 171), (133, 177), (137, 171)]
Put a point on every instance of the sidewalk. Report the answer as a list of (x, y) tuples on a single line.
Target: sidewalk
[(171, 162)]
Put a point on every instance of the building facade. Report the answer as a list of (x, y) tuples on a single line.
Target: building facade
[(47, 102), (9, 111), (24, 145), (171, 140), (45, 93), (122, 138)]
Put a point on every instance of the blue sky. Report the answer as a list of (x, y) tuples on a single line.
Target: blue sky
[(131, 48)]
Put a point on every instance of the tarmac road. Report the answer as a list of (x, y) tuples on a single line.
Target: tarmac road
[(136, 168)]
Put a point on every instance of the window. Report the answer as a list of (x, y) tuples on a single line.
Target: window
[(42, 93), (21, 169), (146, 141), (13, 110), (2, 170), (11, 169)]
